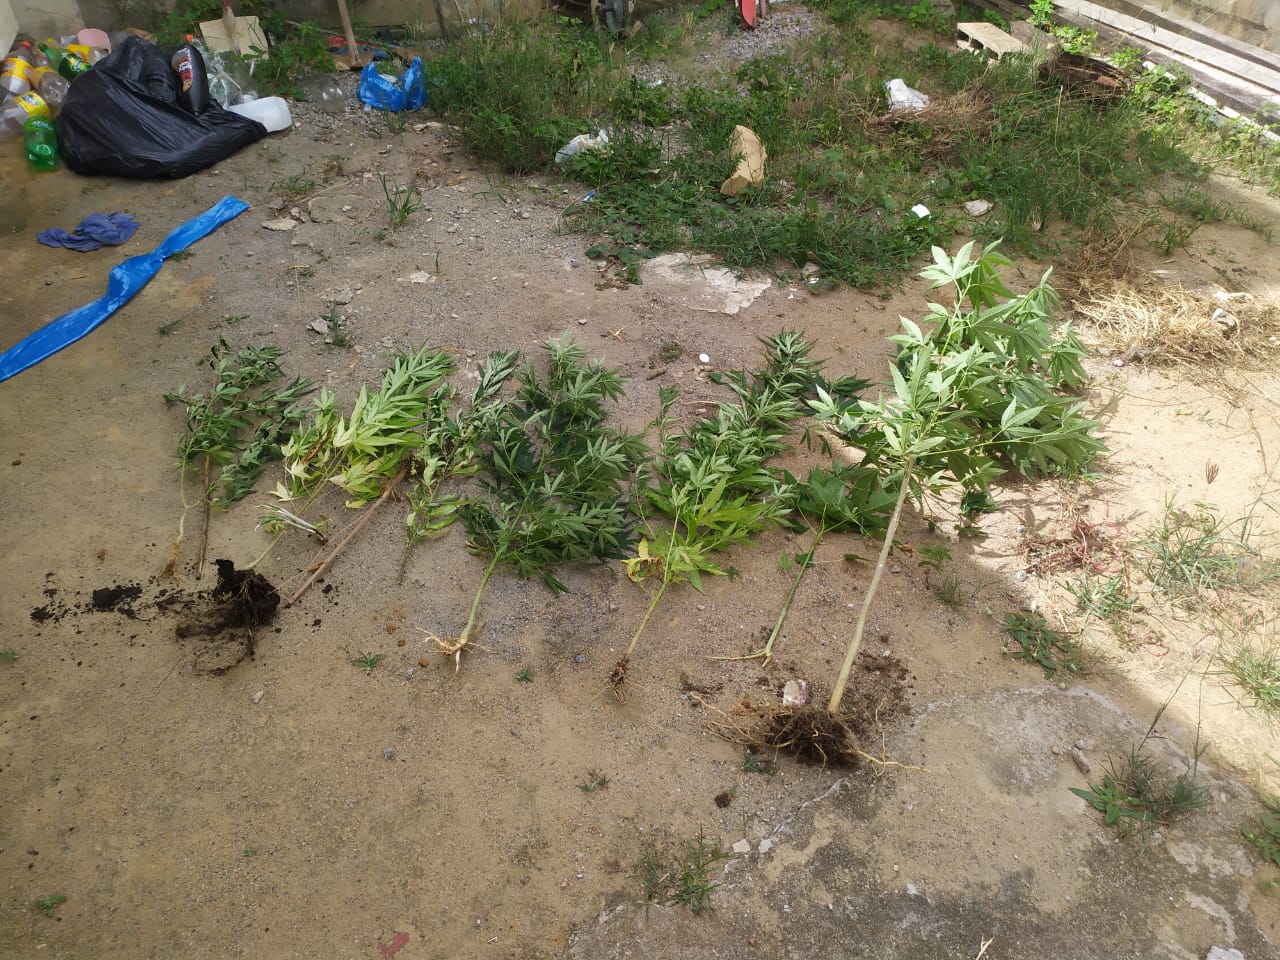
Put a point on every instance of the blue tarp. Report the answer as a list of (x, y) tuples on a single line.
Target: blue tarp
[(127, 278)]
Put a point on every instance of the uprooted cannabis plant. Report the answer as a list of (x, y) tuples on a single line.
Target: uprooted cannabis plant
[(711, 487), (988, 390), (408, 427), (556, 481), (234, 430)]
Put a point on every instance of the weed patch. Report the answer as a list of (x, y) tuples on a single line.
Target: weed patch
[(1032, 639), (1193, 551), (686, 879)]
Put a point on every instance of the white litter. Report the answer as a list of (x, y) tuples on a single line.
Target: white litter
[(902, 97)]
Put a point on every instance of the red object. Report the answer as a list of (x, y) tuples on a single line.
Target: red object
[(748, 9), (397, 943)]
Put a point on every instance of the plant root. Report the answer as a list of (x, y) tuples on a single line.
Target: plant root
[(454, 647), (617, 677)]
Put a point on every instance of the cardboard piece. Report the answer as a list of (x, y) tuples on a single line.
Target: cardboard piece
[(750, 169), (248, 35)]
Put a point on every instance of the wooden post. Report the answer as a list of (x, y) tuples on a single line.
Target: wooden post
[(356, 59)]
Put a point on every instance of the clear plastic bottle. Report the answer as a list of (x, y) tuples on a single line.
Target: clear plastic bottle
[(51, 85), (16, 111), (15, 76), (41, 143)]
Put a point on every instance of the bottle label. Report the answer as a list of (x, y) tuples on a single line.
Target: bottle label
[(16, 67), (33, 103)]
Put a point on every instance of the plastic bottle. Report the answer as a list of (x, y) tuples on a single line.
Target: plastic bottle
[(67, 64), (16, 111), (193, 82), (51, 85), (15, 76), (41, 144), (271, 112)]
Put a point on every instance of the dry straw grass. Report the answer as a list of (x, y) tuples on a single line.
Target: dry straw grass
[(939, 127), (1142, 318)]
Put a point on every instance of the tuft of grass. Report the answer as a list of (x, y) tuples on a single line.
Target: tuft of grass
[(49, 905), (8, 655), (367, 661), (754, 763), (525, 675), (595, 781), (293, 187), (670, 351), (687, 880), (1134, 794), (950, 590), (1193, 551), (1106, 599), (1257, 673), (401, 202), (1033, 640)]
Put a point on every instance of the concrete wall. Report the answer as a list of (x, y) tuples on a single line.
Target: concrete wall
[(1253, 21), (47, 18), (8, 25)]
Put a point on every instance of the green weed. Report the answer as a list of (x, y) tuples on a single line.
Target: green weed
[(686, 880), (1134, 792), (49, 905), (1106, 599), (1191, 551), (8, 655), (367, 661), (595, 781), (401, 202), (754, 763), (293, 187), (1264, 834), (1257, 673), (1032, 639), (525, 675)]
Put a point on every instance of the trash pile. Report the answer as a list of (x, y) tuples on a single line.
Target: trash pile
[(117, 104)]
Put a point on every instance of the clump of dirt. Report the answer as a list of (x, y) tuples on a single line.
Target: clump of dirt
[(875, 697), (117, 599), (223, 622)]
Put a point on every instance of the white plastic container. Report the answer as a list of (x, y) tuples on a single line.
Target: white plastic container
[(271, 112)]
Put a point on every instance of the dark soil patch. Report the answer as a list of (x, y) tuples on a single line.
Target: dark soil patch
[(117, 598), (222, 623), (874, 698)]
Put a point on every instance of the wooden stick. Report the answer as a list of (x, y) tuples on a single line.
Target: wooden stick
[(352, 50), (355, 528), (204, 527)]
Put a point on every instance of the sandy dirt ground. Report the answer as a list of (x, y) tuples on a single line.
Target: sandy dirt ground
[(297, 805)]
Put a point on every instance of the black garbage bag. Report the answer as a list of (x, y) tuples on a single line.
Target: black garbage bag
[(123, 118)]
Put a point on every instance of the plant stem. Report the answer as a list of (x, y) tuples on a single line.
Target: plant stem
[(856, 643), (644, 621), (795, 585), (475, 604), (204, 527), (355, 528)]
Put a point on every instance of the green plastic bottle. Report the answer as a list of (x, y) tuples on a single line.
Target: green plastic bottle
[(65, 62), (41, 142)]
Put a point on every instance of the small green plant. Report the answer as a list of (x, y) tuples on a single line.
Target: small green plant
[(1105, 598), (1134, 794), (1128, 59), (670, 351), (249, 852), (1194, 550), (1257, 673), (933, 556), (49, 905), (525, 675), (367, 661), (754, 763), (396, 122), (1264, 833), (293, 187), (927, 17), (231, 319), (181, 255), (8, 655), (401, 202), (1041, 14), (1032, 639), (688, 881), (595, 781), (950, 589), (624, 259), (167, 328)]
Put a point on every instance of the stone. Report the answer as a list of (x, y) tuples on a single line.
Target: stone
[(340, 209), (766, 845), (282, 225), (978, 208), (1224, 953), (742, 847), (749, 172)]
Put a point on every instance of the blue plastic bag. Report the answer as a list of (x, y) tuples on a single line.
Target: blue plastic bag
[(386, 93)]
